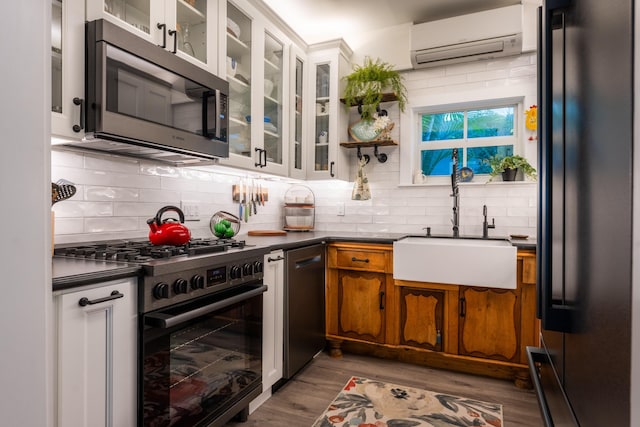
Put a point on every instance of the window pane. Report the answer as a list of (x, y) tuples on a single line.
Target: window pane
[(442, 126), (490, 122), (437, 162), (477, 155)]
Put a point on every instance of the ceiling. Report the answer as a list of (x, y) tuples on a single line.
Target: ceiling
[(321, 20)]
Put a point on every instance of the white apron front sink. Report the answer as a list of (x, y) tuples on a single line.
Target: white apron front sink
[(458, 261)]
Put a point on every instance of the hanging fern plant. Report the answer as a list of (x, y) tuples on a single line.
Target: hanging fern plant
[(367, 83)]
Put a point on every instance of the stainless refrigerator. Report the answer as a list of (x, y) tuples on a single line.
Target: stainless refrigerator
[(582, 369)]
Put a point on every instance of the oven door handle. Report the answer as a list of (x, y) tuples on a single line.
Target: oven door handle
[(164, 321)]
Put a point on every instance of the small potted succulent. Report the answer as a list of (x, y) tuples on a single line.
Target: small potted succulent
[(508, 166), (367, 83)]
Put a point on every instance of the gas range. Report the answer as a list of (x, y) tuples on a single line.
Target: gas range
[(178, 274)]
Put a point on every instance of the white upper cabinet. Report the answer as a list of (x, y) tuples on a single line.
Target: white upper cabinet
[(298, 142), (67, 68), (187, 28), (329, 62), (257, 67)]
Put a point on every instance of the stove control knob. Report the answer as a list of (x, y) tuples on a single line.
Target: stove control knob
[(247, 269), (161, 290), (180, 286), (235, 272), (197, 282), (258, 267)]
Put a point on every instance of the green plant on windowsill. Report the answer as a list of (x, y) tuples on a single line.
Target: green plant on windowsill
[(368, 82), (503, 165)]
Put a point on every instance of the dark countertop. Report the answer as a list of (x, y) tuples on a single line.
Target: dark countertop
[(71, 272)]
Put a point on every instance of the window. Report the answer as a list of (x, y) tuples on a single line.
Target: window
[(478, 133)]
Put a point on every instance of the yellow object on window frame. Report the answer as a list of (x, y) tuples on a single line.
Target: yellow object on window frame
[(531, 121)]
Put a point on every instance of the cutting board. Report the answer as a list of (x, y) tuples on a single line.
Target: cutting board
[(267, 233)]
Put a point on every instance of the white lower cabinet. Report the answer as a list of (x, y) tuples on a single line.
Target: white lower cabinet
[(273, 325), (96, 354)]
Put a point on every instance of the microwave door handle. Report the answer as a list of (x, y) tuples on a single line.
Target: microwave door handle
[(218, 111), (205, 113), (164, 321)]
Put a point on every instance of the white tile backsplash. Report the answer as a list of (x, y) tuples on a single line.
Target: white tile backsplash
[(117, 195)]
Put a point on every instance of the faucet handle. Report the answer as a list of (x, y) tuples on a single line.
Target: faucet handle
[(428, 231), (493, 223)]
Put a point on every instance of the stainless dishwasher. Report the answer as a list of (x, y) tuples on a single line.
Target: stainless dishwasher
[(304, 327)]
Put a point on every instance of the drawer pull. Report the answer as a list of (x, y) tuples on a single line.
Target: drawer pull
[(86, 301), (354, 259)]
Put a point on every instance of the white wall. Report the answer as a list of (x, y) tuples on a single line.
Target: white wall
[(25, 306), (117, 195), (396, 207)]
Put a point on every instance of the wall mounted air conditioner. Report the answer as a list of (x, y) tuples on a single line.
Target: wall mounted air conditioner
[(483, 35)]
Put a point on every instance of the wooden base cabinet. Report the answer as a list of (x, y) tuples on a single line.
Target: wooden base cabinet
[(422, 318), (359, 277), (470, 329), (489, 323)]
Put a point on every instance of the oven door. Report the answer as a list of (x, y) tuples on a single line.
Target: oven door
[(201, 361)]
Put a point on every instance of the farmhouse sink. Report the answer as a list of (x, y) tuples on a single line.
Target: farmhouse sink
[(458, 261)]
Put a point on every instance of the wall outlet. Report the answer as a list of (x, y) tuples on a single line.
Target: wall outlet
[(340, 208), (191, 211)]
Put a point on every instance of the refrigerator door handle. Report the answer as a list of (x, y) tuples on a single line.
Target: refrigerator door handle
[(551, 307)]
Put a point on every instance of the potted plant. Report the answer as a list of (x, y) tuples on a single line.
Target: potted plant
[(368, 82), (508, 166)]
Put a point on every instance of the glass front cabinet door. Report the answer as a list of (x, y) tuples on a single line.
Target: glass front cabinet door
[(67, 68), (327, 160), (184, 27), (257, 68), (297, 114), (273, 122), (239, 69)]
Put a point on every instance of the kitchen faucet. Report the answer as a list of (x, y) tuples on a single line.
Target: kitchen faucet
[(485, 225), (455, 194)]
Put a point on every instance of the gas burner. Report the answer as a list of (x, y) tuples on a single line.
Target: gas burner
[(144, 251)]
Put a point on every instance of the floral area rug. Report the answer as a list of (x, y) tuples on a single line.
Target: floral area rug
[(369, 403)]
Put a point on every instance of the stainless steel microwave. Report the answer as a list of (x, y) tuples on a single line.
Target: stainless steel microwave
[(144, 101)]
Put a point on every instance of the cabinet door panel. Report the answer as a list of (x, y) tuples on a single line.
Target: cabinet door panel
[(97, 357), (422, 318), (360, 305), (491, 323)]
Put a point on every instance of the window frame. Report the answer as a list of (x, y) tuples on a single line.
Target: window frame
[(465, 142)]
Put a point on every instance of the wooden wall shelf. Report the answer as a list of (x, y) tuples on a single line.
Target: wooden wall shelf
[(386, 97), (380, 143)]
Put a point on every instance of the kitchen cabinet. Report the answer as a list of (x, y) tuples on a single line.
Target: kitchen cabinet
[(470, 329), (329, 62), (187, 28), (422, 318), (489, 323), (96, 355), (358, 285), (257, 67), (273, 319), (67, 68), (273, 325), (298, 116)]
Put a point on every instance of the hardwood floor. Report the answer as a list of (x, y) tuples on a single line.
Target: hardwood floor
[(301, 400)]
